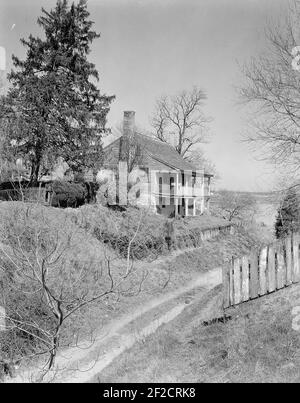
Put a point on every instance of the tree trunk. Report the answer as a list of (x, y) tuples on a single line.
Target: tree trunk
[(34, 175)]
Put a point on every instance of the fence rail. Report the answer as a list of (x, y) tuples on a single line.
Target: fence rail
[(202, 235), (272, 268), (209, 233)]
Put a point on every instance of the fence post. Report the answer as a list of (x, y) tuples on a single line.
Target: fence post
[(2, 319), (226, 284), (245, 279), (271, 269), (237, 281), (296, 265), (281, 277), (288, 255), (254, 281), (263, 272)]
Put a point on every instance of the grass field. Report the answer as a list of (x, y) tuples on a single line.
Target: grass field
[(258, 344)]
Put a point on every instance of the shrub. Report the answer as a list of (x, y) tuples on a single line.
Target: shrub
[(288, 216), (10, 190), (140, 231), (67, 194), (8, 185), (148, 235)]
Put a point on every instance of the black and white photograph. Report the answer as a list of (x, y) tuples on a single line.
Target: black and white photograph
[(149, 194)]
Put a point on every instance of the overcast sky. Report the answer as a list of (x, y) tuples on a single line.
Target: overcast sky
[(153, 47)]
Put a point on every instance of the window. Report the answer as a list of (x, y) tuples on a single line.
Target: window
[(193, 181)]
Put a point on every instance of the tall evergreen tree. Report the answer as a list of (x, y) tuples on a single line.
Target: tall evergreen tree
[(288, 216), (54, 108)]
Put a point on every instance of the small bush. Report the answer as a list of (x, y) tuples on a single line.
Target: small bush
[(67, 194), (140, 231), (288, 216), (13, 190), (8, 185)]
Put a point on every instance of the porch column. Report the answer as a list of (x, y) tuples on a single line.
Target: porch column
[(186, 205), (208, 193), (208, 186), (176, 194), (194, 207), (203, 193)]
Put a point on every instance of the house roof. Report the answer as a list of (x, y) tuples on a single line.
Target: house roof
[(164, 153), (155, 154)]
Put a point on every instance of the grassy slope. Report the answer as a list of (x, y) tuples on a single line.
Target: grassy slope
[(177, 265), (257, 345), (145, 232), (164, 274)]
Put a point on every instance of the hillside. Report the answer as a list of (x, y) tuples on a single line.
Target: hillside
[(260, 343), (88, 255)]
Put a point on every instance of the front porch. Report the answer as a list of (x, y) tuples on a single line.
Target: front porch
[(181, 193), (180, 206)]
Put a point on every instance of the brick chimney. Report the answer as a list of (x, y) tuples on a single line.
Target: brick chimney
[(128, 133), (128, 123)]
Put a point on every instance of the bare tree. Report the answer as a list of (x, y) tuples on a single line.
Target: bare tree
[(44, 286), (198, 158), (234, 206), (180, 121), (272, 90)]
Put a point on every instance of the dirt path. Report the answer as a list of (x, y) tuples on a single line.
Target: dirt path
[(82, 363)]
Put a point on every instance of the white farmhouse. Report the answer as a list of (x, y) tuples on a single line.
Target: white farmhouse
[(150, 173)]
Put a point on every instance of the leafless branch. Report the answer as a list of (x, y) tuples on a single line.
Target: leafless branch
[(180, 121)]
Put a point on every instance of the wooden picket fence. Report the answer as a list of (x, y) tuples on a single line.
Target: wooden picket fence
[(272, 268)]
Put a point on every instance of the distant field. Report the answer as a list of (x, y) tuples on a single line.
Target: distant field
[(266, 213), (267, 205)]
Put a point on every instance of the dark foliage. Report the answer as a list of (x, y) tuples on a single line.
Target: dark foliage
[(67, 194), (288, 216), (53, 108), (13, 184)]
